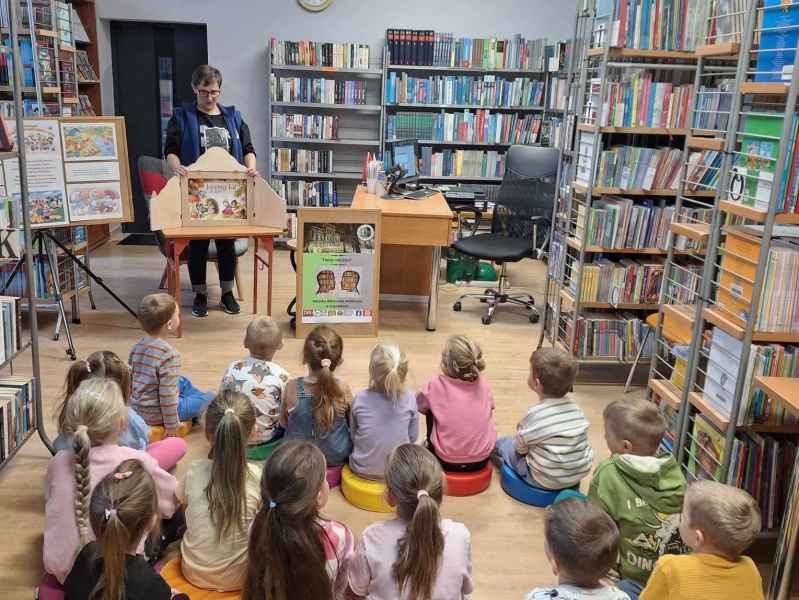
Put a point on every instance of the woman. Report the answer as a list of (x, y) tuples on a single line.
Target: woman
[(193, 129)]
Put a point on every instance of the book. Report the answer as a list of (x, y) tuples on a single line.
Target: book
[(317, 90), (615, 222), (294, 125), (487, 90), (753, 172), (346, 55), (305, 193), (707, 450), (632, 167), (609, 335), (623, 282), (462, 163), (779, 36), (301, 160), (649, 24), (478, 126), (640, 100), (86, 71)]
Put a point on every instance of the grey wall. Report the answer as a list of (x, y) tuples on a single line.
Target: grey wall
[(238, 31)]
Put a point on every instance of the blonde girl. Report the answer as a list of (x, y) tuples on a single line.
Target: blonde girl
[(418, 555), (384, 415), (220, 496), (316, 406), (95, 416), (459, 404), (294, 552), (123, 510), (137, 434)]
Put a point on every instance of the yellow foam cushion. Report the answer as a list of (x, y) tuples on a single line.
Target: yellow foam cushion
[(363, 493), (173, 575), (157, 432)]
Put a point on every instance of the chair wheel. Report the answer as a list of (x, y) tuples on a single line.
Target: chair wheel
[(489, 291), (535, 318), (486, 320), (456, 307)]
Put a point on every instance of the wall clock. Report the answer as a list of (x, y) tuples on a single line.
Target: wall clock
[(315, 5)]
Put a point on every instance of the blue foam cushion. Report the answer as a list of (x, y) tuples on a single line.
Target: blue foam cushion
[(517, 488)]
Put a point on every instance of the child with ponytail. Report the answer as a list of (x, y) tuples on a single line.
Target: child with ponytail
[(294, 552), (123, 510), (316, 406), (94, 417), (458, 405), (418, 555), (220, 496), (137, 434), (384, 415)]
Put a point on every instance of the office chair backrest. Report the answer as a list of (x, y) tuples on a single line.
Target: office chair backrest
[(153, 176), (527, 193)]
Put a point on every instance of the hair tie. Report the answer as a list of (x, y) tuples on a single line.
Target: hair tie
[(110, 512), (122, 475), (421, 493), (81, 429), (88, 365), (326, 362), (272, 504), (230, 411)]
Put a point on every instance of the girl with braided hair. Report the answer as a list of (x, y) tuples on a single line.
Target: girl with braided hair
[(94, 417), (123, 510)]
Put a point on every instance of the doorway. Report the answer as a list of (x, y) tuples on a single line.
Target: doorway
[(152, 66)]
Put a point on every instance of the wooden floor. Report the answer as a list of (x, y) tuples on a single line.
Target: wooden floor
[(507, 543)]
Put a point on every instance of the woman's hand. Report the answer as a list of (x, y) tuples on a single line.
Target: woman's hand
[(180, 170), (253, 172)]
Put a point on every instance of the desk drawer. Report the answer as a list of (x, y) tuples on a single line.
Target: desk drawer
[(414, 231)]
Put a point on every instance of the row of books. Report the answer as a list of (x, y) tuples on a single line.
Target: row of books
[(609, 335), (638, 101), (713, 105), (620, 223), (17, 413), (682, 283), (653, 24), (488, 90), (779, 300), (63, 22), (725, 18), (293, 125), (302, 160), (626, 281), (553, 132), (428, 47), (70, 278), (317, 90), (11, 329), (702, 172), (305, 193), (632, 167), (462, 163), (481, 126), (346, 55), (558, 94)]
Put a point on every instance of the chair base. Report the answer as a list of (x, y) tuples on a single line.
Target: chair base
[(493, 298), (468, 484)]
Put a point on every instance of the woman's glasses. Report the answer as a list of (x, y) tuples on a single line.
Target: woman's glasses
[(208, 93)]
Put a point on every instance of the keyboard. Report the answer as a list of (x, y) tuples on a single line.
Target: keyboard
[(459, 195)]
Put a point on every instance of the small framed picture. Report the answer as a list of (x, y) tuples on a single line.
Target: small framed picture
[(216, 199)]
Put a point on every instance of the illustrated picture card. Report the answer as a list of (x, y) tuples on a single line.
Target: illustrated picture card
[(84, 141), (216, 200), (93, 201)]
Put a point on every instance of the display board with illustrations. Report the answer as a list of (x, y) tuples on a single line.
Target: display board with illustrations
[(78, 171), (338, 270)]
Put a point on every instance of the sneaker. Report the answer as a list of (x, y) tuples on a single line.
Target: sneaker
[(200, 306), (229, 304)]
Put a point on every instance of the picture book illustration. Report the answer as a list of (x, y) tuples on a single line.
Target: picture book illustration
[(707, 448), (224, 200), (47, 208), (89, 201), (89, 141)]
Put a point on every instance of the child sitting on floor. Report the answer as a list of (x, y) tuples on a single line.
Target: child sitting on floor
[(458, 405), (383, 416), (641, 491), (95, 416), (137, 434), (581, 543), (418, 554), (220, 496), (262, 381), (550, 449), (160, 394), (316, 407), (123, 510), (718, 523), (294, 552)]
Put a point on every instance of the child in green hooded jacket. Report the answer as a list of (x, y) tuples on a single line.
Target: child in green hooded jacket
[(641, 491)]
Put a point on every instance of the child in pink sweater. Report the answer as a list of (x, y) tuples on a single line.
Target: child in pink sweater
[(94, 417), (458, 405)]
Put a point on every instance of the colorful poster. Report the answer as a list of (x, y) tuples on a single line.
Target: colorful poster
[(89, 141), (217, 200), (92, 171), (338, 270), (707, 450), (91, 201), (47, 208)]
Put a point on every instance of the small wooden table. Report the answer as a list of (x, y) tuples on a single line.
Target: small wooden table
[(413, 233), (181, 236)]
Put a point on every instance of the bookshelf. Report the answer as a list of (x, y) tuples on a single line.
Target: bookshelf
[(343, 132), (21, 411), (493, 75), (618, 191)]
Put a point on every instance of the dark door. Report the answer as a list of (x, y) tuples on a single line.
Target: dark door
[(149, 78)]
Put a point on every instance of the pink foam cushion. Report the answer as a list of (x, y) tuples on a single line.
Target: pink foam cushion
[(334, 476), (50, 589)]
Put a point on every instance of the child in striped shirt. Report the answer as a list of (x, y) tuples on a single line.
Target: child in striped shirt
[(550, 449), (160, 394)]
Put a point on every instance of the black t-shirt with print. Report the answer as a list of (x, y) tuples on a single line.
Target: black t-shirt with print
[(213, 133)]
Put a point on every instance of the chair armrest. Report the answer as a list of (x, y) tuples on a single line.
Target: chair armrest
[(469, 208)]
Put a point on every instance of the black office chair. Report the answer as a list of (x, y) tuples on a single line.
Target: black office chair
[(523, 205)]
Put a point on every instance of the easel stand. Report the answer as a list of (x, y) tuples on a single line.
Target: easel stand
[(46, 242)]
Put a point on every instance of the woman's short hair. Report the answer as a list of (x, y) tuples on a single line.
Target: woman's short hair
[(206, 75)]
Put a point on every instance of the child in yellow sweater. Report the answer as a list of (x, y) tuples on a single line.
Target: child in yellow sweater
[(718, 523)]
